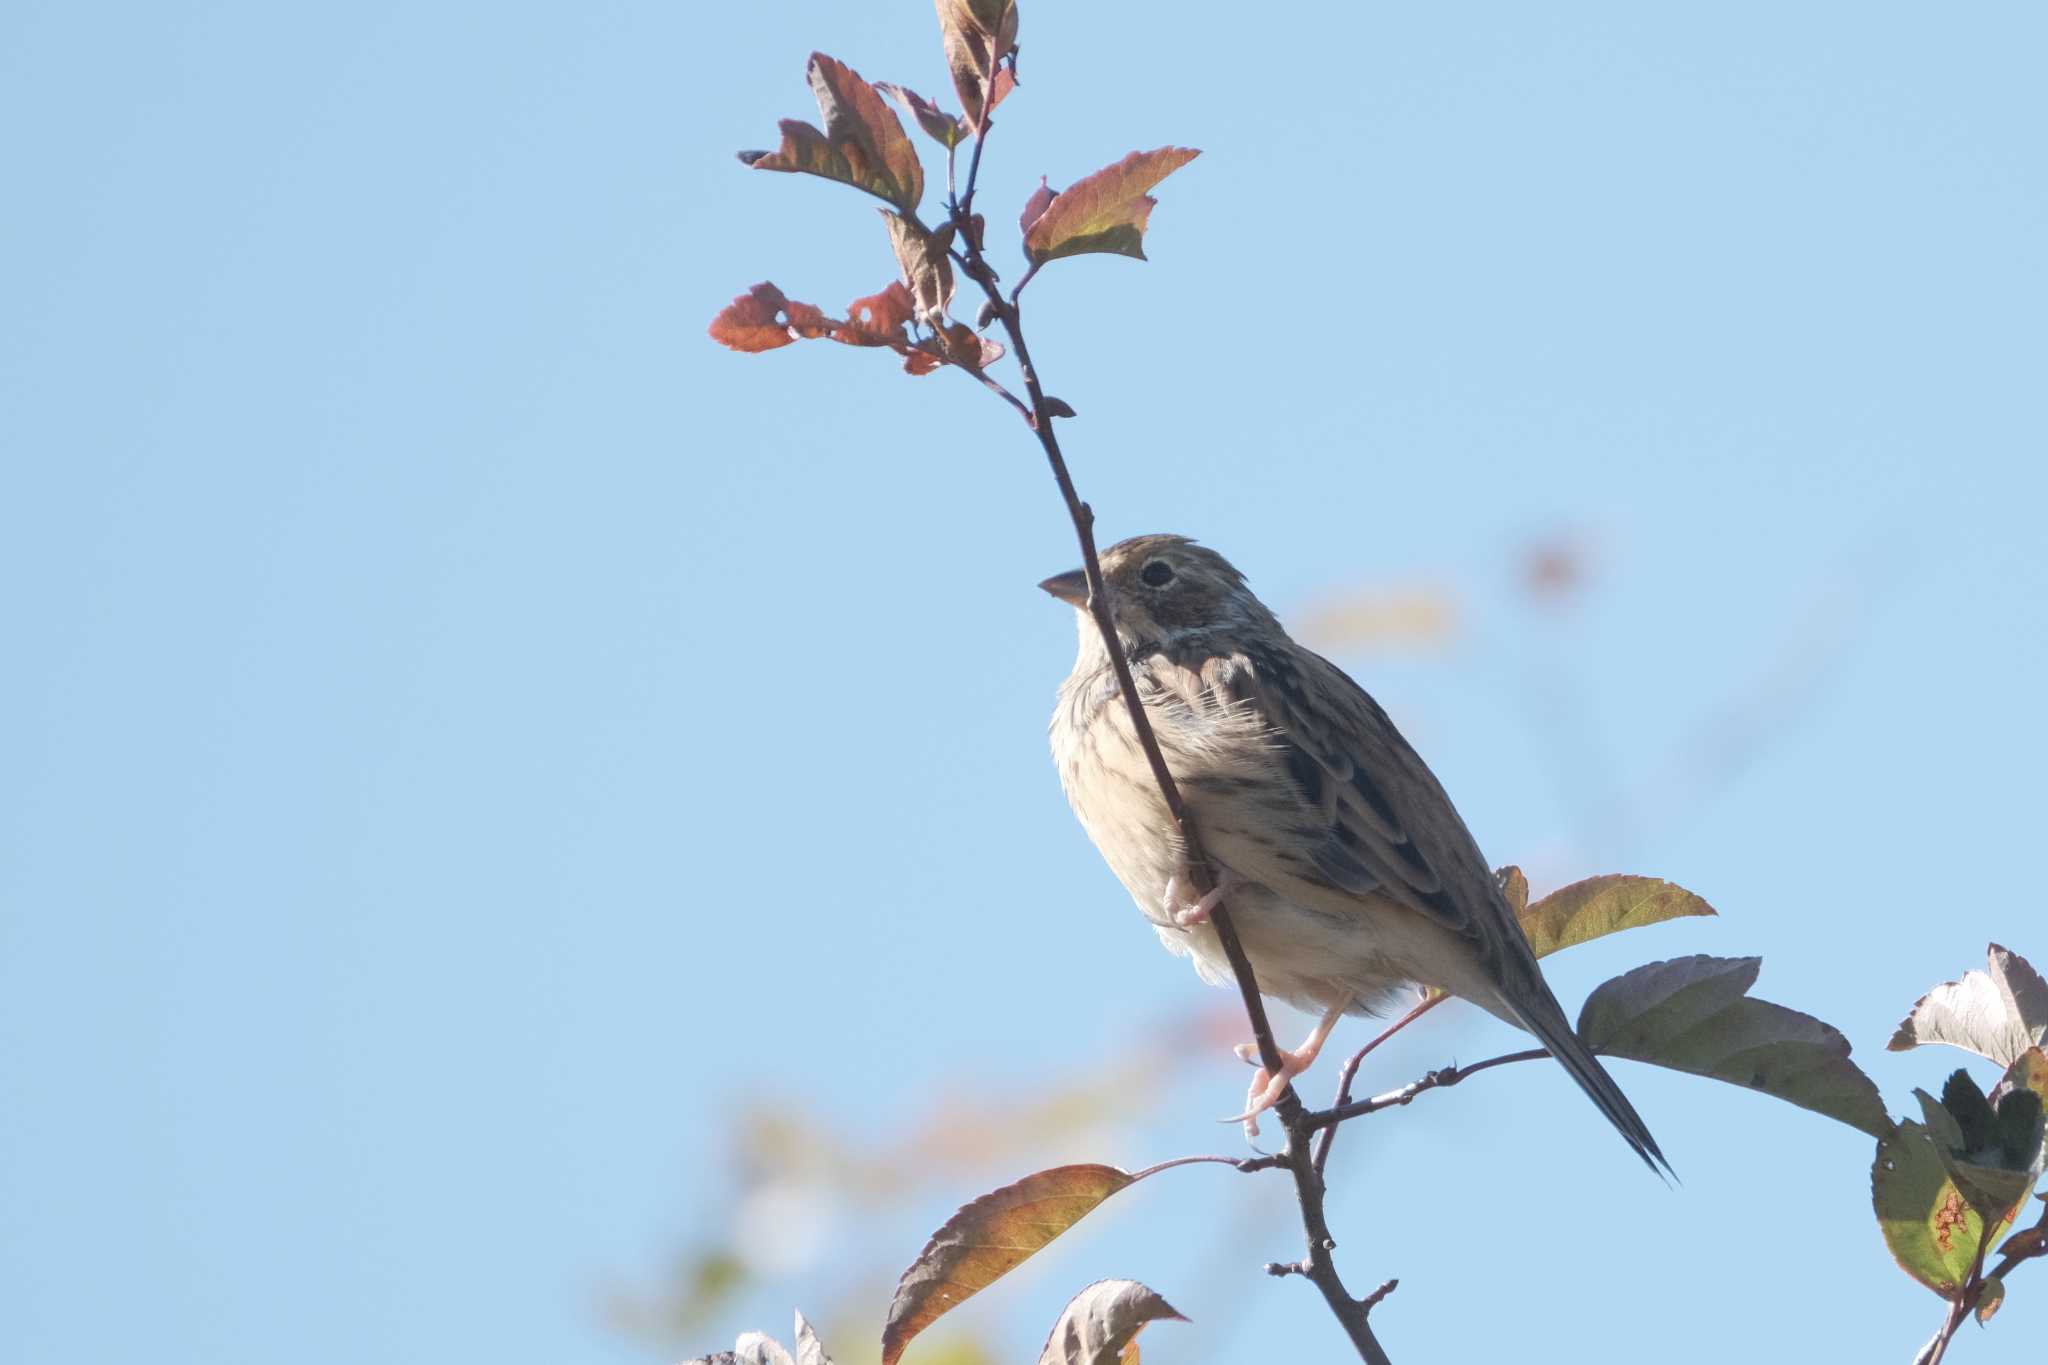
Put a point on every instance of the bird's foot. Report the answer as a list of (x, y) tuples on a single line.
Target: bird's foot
[(1267, 1087), (1187, 914)]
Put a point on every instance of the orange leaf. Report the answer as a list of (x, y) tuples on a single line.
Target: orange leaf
[(987, 1239), (1106, 211), (863, 144)]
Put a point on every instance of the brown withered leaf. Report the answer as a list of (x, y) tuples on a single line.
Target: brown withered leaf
[(862, 143), (978, 35), (961, 345), (943, 128), (921, 256), (1100, 1325), (987, 1239), (1106, 211), (1604, 905), (1514, 884)]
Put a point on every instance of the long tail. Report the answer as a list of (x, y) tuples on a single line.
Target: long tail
[(1546, 1020)]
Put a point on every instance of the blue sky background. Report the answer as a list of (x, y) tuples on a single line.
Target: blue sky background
[(466, 738)]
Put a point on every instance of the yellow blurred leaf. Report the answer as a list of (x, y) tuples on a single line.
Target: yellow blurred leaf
[(1425, 617)]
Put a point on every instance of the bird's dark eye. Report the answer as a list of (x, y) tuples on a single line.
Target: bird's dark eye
[(1157, 574)]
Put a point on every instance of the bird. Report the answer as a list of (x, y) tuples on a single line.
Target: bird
[(1349, 875)]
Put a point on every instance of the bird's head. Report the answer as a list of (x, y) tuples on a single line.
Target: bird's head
[(1163, 591)]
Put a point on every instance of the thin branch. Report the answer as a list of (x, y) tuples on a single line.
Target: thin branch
[(1233, 1161), (1000, 392), (1023, 280), (1298, 1158), (1435, 1080), (2037, 1250), (1958, 1308), (1350, 1071)]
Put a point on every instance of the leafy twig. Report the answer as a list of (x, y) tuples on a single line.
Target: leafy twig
[(1972, 1292), (1318, 1267)]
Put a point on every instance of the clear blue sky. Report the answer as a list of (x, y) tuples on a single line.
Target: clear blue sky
[(463, 734)]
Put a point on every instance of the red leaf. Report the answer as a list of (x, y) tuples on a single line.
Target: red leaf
[(863, 144), (878, 319), (753, 322), (810, 322), (1106, 211), (762, 319), (943, 128)]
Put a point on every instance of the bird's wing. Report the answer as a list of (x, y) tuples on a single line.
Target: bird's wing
[(1373, 818)]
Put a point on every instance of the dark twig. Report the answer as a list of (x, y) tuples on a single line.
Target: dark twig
[(1435, 1080), (1023, 280), (1298, 1158), (1350, 1071), (1002, 393)]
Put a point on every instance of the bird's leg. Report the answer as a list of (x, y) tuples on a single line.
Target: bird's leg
[(1188, 914), (1267, 1088)]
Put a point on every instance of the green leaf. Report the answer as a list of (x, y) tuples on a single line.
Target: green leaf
[(1100, 1325), (1989, 1299), (1971, 1111), (862, 144), (2028, 1075), (1997, 1014), (1930, 1228), (1991, 1190), (1603, 905), (1104, 212), (1694, 1014), (989, 1238)]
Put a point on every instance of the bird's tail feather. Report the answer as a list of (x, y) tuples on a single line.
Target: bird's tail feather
[(1546, 1020)]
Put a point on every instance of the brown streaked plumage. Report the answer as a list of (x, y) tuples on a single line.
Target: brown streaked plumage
[(1349, 873)]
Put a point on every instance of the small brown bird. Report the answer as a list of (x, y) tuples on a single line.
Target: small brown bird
[(1347, 871)]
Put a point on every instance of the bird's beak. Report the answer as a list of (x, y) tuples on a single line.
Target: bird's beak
[(1070, 587)]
